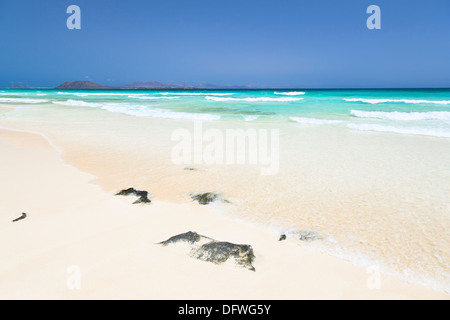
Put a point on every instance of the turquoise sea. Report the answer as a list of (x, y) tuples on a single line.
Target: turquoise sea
[(412, 112)]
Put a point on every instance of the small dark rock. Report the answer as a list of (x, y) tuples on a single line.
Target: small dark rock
[(190, 237), (190, 169), (142, 195), (282, 237), (219, 252), (205, 198), (23, 216), (126, 192)]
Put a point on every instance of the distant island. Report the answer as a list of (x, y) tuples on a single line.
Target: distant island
[(135, 85), (160, 85), (87, 85), (18, 86), (81, 85)]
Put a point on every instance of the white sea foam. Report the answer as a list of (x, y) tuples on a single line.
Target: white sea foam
[(313, 120), (194, 94), (402, 116), (412, 101), (435, 132), (250, 118), (261, 99), (143, 111), (22, 100), (86, 94), (79, 103), (15, 93), (294, 93), (140, 110), (134, 96), (78, 94)]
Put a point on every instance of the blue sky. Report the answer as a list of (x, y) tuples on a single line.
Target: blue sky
[(283, 43)]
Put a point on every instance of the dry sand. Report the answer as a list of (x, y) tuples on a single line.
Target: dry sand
[(73, 225)]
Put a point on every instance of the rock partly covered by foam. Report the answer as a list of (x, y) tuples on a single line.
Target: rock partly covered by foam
[(217, 252), (302, 235), (142, 195), (308, 235), (207, 198)]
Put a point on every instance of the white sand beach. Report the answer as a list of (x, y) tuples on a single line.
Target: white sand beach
[(73, 225)]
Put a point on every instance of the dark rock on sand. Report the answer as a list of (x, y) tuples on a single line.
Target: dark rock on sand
[(206, 198), (142, 195), (282, 237), (189, 237), (23, 216), (218, 252), (190, 169)]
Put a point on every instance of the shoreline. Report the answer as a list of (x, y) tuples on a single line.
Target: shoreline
[(90, 220)]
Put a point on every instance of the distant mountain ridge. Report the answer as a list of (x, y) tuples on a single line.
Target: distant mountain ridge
[(154, 85), (87, 85), (18, 86), (160, 85)]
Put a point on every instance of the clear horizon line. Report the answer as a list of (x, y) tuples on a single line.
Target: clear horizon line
[(235, 87)]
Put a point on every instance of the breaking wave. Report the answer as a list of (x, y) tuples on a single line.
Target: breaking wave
[(411, 101), (435, 132), (402, 116), (261, 99), (140, 110), (294, 93), (194, 94), (313, 120), (22, 100)]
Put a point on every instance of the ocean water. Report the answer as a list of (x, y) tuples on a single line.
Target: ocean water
[(412, 112), (365, 171)]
